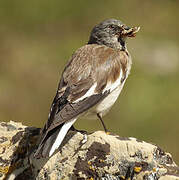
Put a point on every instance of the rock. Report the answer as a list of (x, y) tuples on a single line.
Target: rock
[(81, 156)]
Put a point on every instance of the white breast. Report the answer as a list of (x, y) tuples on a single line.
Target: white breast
[(115, 89), (104, 106)]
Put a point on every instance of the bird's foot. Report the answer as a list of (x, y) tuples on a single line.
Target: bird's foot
[(107, 132)]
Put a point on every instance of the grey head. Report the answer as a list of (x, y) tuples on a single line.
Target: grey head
[(112, 33)]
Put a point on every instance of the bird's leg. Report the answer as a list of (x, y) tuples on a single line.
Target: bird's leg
[(81, 131), (105, 129)]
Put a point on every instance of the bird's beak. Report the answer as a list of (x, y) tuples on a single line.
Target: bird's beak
[(130, 32)]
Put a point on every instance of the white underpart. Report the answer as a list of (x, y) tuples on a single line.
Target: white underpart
[(61, 135), (89, 93), (115, 89)]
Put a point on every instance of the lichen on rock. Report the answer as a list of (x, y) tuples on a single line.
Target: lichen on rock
[(82, 156)]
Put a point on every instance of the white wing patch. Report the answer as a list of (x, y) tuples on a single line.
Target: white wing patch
[(112, 86), (61, 135), (89, 93)]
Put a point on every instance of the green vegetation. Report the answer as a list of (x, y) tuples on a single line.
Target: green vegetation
[(38, 37)]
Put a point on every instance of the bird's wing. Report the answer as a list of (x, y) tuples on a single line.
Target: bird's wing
[(91, 69)]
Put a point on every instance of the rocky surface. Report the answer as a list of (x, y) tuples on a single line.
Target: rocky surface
[(93, 156)]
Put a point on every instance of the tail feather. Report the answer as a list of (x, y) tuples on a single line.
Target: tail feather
[(46, 144), (53, 140), (63, 131)]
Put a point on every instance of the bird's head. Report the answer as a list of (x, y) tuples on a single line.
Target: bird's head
[(112, 33)]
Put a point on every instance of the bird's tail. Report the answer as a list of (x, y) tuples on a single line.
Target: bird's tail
[(64, 129), (53, 140)]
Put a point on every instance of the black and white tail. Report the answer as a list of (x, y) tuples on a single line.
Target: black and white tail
[(53, 140)]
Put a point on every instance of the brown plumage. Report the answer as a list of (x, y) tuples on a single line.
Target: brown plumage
[(94, 75), (90, 64)]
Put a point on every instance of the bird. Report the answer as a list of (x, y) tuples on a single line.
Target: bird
[(90, 83)]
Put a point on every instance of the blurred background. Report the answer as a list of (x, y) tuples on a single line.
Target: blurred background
[(38, 37)]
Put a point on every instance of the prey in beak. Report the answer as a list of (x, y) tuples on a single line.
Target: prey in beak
[(130, 32), (124, 33)]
